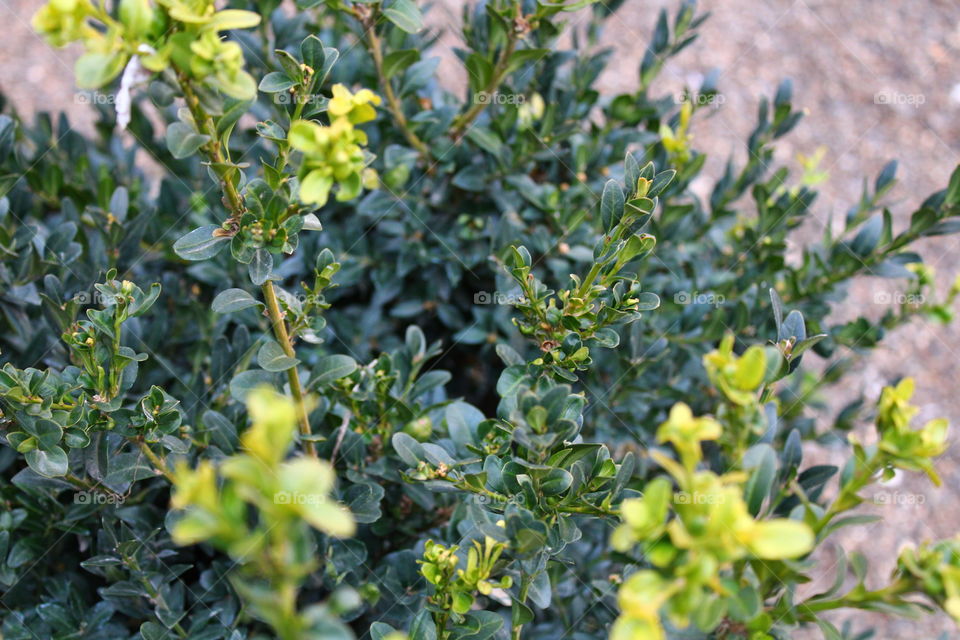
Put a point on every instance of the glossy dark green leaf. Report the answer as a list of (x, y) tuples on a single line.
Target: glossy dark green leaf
[(233, 300), (396, 61), (271, 357), (405, 14), (331, 368), (260, 266), (50, 462), (200, 244), (183, 140)]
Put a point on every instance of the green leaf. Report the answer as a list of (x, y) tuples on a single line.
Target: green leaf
[(183, 141), (143, 304), (745, 604), (136, 16), (525, 59), (479, 625), (47, 433), (311, 52), (50, 463), (485, 139), (260, 266), (886, 178), (611, 205), (661, 34), (312, 479), (947, 226), (405, 14), (780, 539), (462, 602), (710, 613), (462, 421), (867, 238), (330, 57), (272, 357), (397, 61), (363, 499), (661, 182), (239, 85), (751, 368), (422, 626), (793, 327), (479, 71), (777, 305), (290, 65), (227, 19), (200, 244), (245, 382), (222, 431), (508, 355), (408, 448), (647, 301), (847, 521), (636, 245), (315, 188), (540, 592), (512, 380), (331, 368), (952, 197), (759, 485), (556, 482), (275, 82), (829, 631), (93, 70), (520, 613), (233, 300), (380, 631), (119, 203), (154, 631)]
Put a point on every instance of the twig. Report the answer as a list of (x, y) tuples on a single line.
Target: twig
[(340, 433), (374, 46), (293, 377)]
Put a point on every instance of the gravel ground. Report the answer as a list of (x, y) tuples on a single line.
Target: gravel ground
[(880, 80)]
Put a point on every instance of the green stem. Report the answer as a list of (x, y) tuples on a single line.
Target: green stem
[(525, 583), (153, 593), (862, 478), (901, 586), (155, 460), (587, 283), (375, 48), (462, 123), (236, 206), (213, 148), (441, 623), (829, 280), (284, 152), (616, 234), (589, 510), (296, 390), (59, 406), (288, 604), (801, 495), (114, 374), (86, 485)]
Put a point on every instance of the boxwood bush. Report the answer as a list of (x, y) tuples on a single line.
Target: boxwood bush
[(301, 345)]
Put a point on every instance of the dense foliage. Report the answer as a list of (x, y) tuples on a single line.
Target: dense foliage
[(325, 351)]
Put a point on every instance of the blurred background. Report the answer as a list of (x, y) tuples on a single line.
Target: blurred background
[(879, 81)]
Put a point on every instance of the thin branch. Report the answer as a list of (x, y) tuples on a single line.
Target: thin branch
[(340, 433)]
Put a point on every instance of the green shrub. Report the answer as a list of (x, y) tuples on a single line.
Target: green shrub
[(465, 397)]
